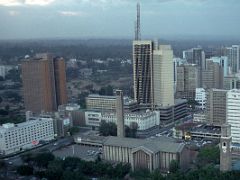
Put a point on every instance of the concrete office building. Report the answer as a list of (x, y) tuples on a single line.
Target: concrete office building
[(4, 69), (144, 120), (44, 83), (148, 154), (212, 76), (108, 103), (233, 54), (232, 82), (163, 80), (73, 110), (200, 98), (196, 56), (223, 62), (233, 114), (216, 107), (120, 114), (187, 81), (26, 135), (142, 71)]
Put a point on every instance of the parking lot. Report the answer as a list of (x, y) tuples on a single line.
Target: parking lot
[(87, 153)]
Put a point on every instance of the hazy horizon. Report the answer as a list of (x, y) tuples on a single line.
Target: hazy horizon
[(114, 19)]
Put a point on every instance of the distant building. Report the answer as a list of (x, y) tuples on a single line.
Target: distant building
[(233, 114), (4, 70), (148, 154), (187, 81), (196, 56), (212, 76), (200, 98), (26, 135), (232, 82), (44, 83), (223, 62), (216, 107), (233, 54)]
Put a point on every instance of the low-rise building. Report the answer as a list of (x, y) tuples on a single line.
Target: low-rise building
[(26, 135), (144, 119), (148, 154)]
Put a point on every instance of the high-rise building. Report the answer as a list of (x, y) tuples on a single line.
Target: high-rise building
[(44, 83), (187, 81), (142, 71), (212, 76), (216, 107), (232, 82), (163, 80), (233, 54), (223, 62), (233, 113)]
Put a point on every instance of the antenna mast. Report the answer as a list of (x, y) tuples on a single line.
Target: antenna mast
[(137, 24)]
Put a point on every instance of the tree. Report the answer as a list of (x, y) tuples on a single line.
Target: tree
[(132, 130), (25, 170), (174, 166), (73, 130), (107, 90), (108, 129), (208, 155), (42, 159)]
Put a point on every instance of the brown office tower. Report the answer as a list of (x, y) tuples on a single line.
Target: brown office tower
[(120, 114), (44, 83)]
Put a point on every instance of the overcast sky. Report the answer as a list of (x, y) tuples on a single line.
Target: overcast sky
[(115, 18)]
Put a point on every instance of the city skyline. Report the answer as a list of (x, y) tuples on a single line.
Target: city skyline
[(27, 19)]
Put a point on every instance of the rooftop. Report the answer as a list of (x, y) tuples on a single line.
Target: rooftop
[(163, 144)]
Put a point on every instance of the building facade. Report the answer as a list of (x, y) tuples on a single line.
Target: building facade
[(44, 83), (216, 107), (200, 98), (233, 113), (163, 80), (22, 136), (146, 154), (187, 81), (142, 71), (233, 54), (212, 76), (144, 120)]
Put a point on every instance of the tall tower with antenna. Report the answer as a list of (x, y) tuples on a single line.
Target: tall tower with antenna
[(137, 24)]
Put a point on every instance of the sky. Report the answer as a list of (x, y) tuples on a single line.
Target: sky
[(30, 19)]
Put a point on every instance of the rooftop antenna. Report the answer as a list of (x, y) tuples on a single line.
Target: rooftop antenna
[(137, 24)]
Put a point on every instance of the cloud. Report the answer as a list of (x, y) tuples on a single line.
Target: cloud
[(25, 2), (13, 13), (71, 13)]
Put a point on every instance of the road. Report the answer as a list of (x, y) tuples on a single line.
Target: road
[(15, 160)]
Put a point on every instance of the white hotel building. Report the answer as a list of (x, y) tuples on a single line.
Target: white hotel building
[(145, 120), (233, 113), (17, 137)]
